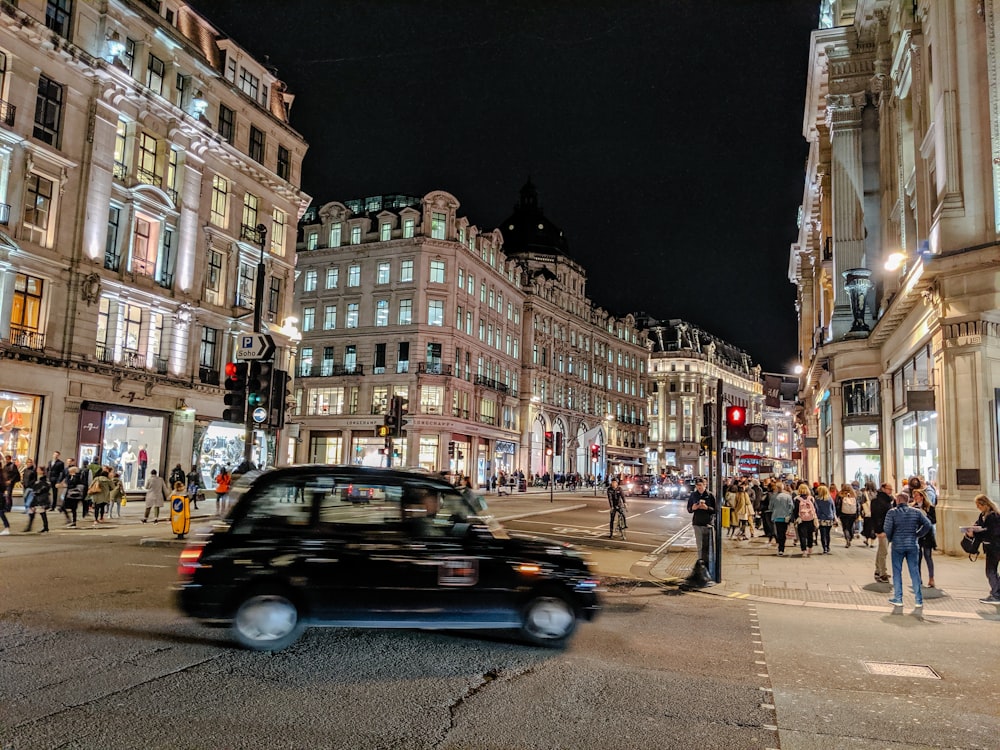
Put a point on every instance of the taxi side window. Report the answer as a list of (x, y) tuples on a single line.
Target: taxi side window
[(287, 503), (354, 502)]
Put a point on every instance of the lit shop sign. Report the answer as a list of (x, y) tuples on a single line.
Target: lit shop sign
[(116, 419)]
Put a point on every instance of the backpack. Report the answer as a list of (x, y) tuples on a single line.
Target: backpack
[(806, 510), (849, 505)]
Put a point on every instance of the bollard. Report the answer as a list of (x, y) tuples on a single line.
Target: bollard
[(180, 514)]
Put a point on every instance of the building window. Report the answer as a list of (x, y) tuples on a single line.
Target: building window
[(48, 111), (329, 317), (154, 75), (147, 171), (213, 280), (309, 280), (57, 16), (227, 123), (437, 225), (405, 312), (274, 298), (352, 315), (308, 318), (378, 366), (208, 351), (861, 398), (112, 256), (39, 209), (437, 271), (284, 163), (354, 276), (279, 221), (246, 286), (172, 176), (406, 270), (382, 276), (256, 150), (408, 227), (335, 232), (251, 205), (220, 201), (121, 154), (165, 263), (403, 357), (249, 83), (312, 240), (435, 313), (26, 312), (385, 231), (305, 362), (382, 312), (355, 235), (332, 277), (350, 358)]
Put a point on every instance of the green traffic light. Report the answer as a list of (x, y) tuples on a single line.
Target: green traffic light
[(255, 399)]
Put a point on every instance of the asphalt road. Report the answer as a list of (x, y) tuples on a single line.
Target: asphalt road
[(93, 655)]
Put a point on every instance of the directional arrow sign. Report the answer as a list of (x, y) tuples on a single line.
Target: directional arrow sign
[(255, 346)]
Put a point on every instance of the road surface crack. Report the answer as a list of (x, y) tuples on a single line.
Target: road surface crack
[(485, 679)]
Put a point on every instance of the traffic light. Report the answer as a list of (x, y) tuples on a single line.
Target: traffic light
[(548, 443), (736, 423), (595, 452), (401, 412), (391, 421), (280, 391), (706, 446), (451, 449), (559, 443), (236, 392), (260, 385), (382, 431)]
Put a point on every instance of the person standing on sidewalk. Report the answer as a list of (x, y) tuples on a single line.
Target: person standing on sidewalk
[(702, 506), (865, 498), (904, 525), (826, 514), (881, 505), (782, 511), (847, 509), (156, 495), (989, 536), (928, 542)]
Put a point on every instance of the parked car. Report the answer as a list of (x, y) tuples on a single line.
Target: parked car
[(347, 546)]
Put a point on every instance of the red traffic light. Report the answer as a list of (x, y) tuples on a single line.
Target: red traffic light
[(231, 369), (736, 416)]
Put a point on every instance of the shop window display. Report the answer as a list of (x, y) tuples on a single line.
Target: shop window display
[(132, 445), (19, 425)]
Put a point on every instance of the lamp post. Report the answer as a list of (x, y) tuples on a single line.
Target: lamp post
[(258, 304)]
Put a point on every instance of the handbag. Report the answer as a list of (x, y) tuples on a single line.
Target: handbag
[(970, 545)]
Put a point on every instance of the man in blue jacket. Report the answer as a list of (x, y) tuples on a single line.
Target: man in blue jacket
[(904, 525)]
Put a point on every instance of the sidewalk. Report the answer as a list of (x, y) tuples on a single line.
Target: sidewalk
[(844, 579)]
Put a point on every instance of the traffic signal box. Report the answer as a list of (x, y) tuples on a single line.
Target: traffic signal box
[(559, 444), (549, 437), (259, 385), (595, 452), (280, 391), (451, 449), (236, 392), (736, 423), (395, 417)]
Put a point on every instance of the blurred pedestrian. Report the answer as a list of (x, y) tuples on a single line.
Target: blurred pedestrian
[(156, 495), (881, 504), (765, 512), (988, 525), (865, 506), (11, 475), (28, 478), (100, 494), (847, 509), (222, 482), (826, 516), (743, 508), (117, 494), (40, 498), (782, 512), (76, 490), (3, 505), (805, 518), (904, 525), (194, 485), (928, 542)]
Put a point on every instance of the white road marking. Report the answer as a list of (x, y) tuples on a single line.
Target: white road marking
[(147, 565)]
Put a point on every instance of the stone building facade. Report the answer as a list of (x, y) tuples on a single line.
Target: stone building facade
[(896, 261), (139, 150)]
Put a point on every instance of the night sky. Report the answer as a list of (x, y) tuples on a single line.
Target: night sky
[(664, 136)]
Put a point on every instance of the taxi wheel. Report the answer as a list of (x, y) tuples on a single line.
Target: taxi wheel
[(267, 621), (548, 619)]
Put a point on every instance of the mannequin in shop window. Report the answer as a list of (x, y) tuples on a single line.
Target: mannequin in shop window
[(143, 463), (128, 465)]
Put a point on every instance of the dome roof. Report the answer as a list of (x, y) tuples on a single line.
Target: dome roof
[(527, 230)]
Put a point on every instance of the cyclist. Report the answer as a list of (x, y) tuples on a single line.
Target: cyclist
[(616, 499)]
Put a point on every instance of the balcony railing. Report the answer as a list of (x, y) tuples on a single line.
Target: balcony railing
[(112, 261), (208, 376), (160, 365), (7, 111), (165, 280), (433, 368), (133, 360), (105, 354), (120, 171), (487, 419), (490, 383), (4, 214), (148, 178), (173, 195), (328, 370), (25, 339), (249, 234)]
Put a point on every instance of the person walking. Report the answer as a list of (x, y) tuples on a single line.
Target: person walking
[(702, 506), (881, 504), (765, 512), (222, 483), (743, 508), (177, 475), (76, 490), (782, 512), (11, 476), (28, 478), (40, 499), (55, 472), (847, 509), (865, 507), (3, 505), (156, 495), (826, 516), (117, 494), (904, 525), (194, 485), (616, 501), (987, 532), (805, 517), (928, 542), (99, 493)]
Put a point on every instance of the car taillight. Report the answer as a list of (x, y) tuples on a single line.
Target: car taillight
[(188, 563)]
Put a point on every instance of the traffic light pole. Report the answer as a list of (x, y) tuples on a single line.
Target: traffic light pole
[(718, 481), (258, 305)]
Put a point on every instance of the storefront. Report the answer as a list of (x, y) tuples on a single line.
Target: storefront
[(131, 441), (503, 456), (221, 444), (20, 414), (428, 450)]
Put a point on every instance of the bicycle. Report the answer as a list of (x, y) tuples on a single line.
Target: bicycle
[(619, 522)]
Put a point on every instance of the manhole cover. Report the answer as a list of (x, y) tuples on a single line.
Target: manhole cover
[(900, 670)]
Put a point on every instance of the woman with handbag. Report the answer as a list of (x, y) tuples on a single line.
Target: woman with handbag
[(76, 490), (987, 532), (100, 494)]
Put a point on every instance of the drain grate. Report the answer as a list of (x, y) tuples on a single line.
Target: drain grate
[(900, 670)]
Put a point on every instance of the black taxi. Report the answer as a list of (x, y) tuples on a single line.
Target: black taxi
[(350, 546)]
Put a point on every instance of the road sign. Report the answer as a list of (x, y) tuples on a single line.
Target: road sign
[(260, 415), (255, 346)]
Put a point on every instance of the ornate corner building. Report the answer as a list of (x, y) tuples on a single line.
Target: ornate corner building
[(896, 260), (488, 335), (140, 151)]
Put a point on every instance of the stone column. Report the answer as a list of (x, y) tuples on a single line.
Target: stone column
[(886, 438), (844, 121), (836, 469)]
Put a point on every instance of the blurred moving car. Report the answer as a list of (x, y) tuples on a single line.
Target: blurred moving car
[(350, 546), (639, 484)]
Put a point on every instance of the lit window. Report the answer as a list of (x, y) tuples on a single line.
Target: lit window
[(408, 226), (312, 241), (329, 317), (308, 318), (435, 313), (437, 225), (355, 235), (406, 270), (385, 231), (383, 274), (335, 235), (48, 111), (220, 201), (309, 281), (437, 271), (382, 312), (279, 220), (354, 276), (405, 312), (352, 315), (154, 74)]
